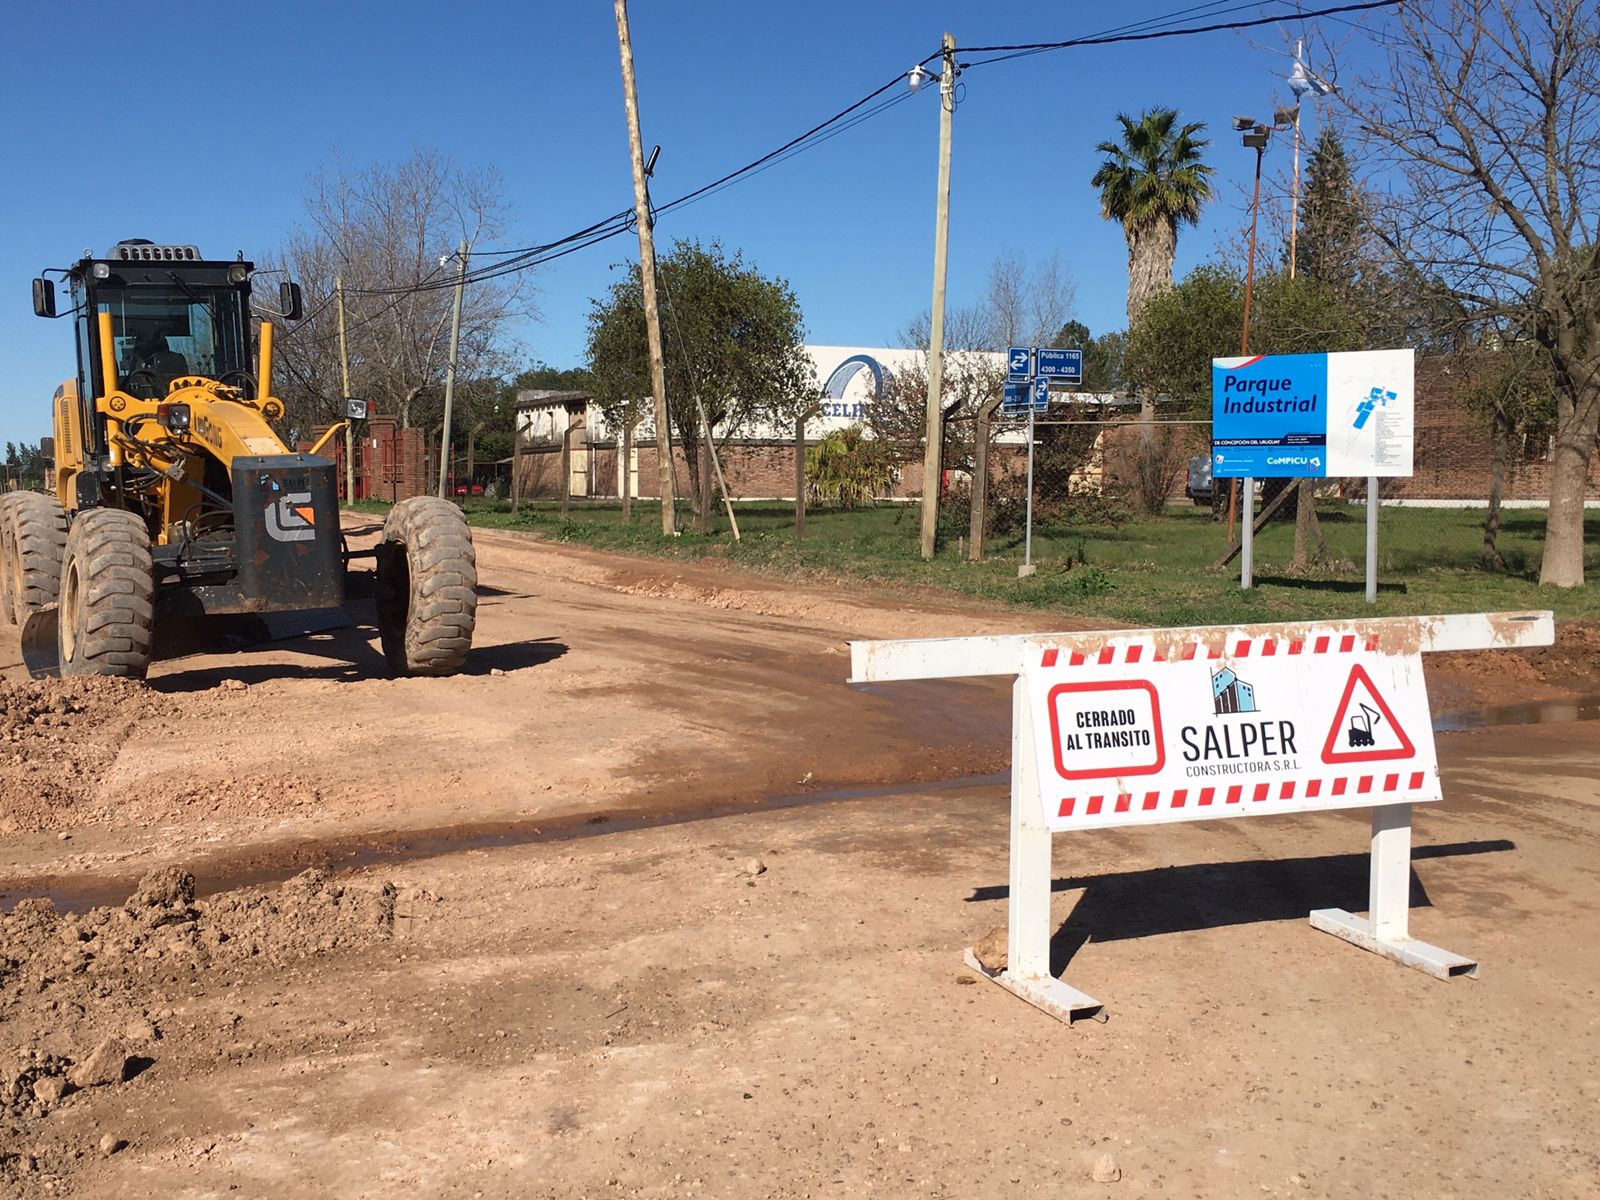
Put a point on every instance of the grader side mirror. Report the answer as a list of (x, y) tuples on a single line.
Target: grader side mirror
[(44, 298), (289, 303), (354, 410)]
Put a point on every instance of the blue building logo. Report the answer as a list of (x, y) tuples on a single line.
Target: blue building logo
[(840, 379), (1231, 694)]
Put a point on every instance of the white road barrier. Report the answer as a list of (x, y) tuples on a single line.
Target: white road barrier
[(1143, 726)]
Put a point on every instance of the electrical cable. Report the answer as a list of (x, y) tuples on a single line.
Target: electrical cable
[(1016, 51), (511, 261)]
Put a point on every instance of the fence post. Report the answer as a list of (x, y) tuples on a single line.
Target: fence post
[(979, 517)]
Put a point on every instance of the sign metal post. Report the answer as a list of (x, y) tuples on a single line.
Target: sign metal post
[(1247, 535), (1372, 539)]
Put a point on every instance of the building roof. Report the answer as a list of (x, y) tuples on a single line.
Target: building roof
[(544, 398)]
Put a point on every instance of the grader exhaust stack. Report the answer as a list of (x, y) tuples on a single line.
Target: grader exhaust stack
[(175, 497)]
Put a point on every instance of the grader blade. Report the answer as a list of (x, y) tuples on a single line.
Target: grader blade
[(41, 647)]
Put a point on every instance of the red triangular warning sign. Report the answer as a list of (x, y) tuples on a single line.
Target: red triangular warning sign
[(1355, 734)]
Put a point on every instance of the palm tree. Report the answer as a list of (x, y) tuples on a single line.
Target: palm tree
[(1152, 181)]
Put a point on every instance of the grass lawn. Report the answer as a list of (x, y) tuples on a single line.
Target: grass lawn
[(1155, 571)]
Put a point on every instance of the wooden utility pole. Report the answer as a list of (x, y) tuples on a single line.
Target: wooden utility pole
[(933, 456), (344, 374), (647, 271), (450, 366)]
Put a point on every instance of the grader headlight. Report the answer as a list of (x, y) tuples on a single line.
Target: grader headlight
[(174, 417)]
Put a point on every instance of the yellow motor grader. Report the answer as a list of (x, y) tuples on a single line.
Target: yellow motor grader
[(175, 497)]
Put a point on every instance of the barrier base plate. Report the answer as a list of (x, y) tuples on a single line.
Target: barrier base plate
[(1441, 964), (1064, 1003)]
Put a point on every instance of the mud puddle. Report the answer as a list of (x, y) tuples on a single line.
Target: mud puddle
[(275, 862), (1541, 712)]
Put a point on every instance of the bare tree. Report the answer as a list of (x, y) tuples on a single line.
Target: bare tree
[(385, 229), (1023, 305), (1489, 116)]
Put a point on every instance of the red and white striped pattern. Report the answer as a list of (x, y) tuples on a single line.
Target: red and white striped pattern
[(1264, 647), (1239, 793)]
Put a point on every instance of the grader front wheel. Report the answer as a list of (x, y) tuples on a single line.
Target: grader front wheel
[(106, 617), (426, 587)]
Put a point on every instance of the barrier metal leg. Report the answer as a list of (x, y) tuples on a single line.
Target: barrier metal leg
[(1027, 972), (1384, 930)]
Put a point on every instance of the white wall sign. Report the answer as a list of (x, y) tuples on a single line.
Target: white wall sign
[(1145, 732)]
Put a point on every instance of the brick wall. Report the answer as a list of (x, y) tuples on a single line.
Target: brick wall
[(1452, 458), (754, 470)]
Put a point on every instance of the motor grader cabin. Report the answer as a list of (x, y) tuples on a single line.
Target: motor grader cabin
[(176, 498)]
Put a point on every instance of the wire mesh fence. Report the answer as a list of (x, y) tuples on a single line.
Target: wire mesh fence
[(1120, 499), (1117, 491)]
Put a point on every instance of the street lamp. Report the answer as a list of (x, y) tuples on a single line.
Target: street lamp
[(1256, 135)]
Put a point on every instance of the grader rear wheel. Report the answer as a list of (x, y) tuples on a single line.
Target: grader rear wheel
[(33, 541), (426, 587), (107, 609)]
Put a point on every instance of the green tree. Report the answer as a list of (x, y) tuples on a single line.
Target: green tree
[(1102, 356), (732, 338), (1332, 243), (1152, 181)]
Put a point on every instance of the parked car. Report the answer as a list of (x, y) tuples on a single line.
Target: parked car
[(1198, 488)]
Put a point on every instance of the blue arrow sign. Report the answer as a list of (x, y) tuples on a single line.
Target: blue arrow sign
[(1064, 366), (1039, 393), (1016, 395), (1019, 363)]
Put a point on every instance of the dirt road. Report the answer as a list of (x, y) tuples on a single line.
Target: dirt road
[(665, 918)]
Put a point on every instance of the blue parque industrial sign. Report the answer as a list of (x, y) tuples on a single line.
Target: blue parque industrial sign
[(1313, 415)]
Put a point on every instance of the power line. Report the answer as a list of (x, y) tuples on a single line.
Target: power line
[(1297, 13), (511, 261)]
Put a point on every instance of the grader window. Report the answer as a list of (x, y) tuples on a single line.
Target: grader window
[(161, 335)]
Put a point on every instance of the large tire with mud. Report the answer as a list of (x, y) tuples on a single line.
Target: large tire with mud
[(426, 587), (107, 608), (8, 613), (33, 543)]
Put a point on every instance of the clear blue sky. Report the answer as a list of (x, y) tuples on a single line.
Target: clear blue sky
[(201, 123)]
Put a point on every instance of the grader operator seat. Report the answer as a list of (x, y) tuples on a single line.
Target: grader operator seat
[(153, 353)]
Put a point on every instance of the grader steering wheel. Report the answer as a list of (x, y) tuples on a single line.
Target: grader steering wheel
[(154, 384), (244, 377)]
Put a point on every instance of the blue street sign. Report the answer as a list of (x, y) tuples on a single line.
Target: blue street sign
[(1019, 363), (1016, 395), (1039, 393), (1064, 366)]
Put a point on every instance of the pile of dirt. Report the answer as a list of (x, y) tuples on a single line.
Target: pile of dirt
[(1569, 668), (57, 738), (86, 998)]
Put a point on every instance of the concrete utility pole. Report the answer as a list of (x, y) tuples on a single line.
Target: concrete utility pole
[(344, 374), (933, 457), (450, 366), (647, 271)]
